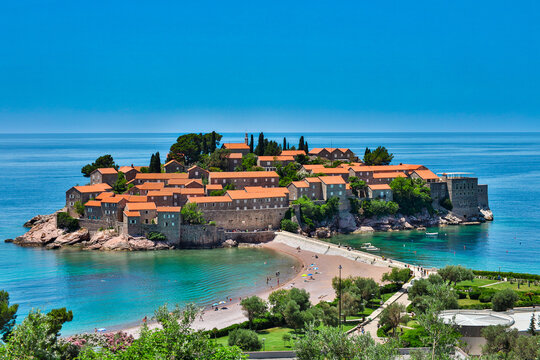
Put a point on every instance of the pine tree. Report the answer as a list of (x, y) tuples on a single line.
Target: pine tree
[(306, 147), (251, 144), (204, 146), (301, 143), (152, 161), (284, 143), (259, 150), (158, 163), (532, 326)]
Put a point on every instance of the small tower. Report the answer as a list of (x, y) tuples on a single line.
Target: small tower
[(246, 140)]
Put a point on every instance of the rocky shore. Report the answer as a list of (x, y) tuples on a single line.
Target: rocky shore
[(44, 233), (346, 223)]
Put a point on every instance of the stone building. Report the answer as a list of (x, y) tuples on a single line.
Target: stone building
[(197, 172), (386, 177), (333, 154), (242, 148), (380, 192), (144, 188), (297, 189), (241, 179), (234, 160), (174, 166), (129, 172), (157, 177), (333, 186), (270, 162), (103, 175), (83, 194), (426, 175), (466, 195)]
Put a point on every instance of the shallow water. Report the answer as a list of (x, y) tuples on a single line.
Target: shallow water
[(108, 289)]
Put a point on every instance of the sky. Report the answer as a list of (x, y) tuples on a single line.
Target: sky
[(174, 66)]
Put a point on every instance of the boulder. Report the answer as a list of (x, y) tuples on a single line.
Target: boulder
[(487, 214), (117, 243), (8, 240), (72, 238), (363, 229), (407, 226), (39, 219), (40, 235), (229, 243), (138, 244), (347, 223), (322, 233), (100, 237)]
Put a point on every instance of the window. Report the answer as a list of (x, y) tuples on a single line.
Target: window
[(272, 179), (172, 224), (340, 193), (255, 180)]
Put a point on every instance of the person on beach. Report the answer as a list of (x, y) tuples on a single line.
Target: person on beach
[(145, 319)]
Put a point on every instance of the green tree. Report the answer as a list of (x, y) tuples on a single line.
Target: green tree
[(105, 161), (288, 173), (278, 300), (155, 163), (293, 315), (8, 314), (289, 226), (441, 337), (301, 143), (189, 147), (251, 144), (532, 326), (379, 156), (192, 215), (504, 300), (246, 340), (306, 147), (249, 163), (213, 141), (271, 148), (351, 304), (379, 208), (438, 296), (79, 207), (392, 316), (120, 185), (66, 222), (253, 307), (332, 343), (217, 159), (259, 150), (412, 195), (455, 274), (284, 147), (358, 187), (397, 276)]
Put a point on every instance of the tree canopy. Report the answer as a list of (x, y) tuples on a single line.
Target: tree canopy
[(379, 156), (455, 274), (120, 185), (189, 147), (7, 315), (155, 163), (192, 215), (105, 161), (412, 195), (253, 307)]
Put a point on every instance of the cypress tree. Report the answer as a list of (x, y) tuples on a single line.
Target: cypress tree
[(204, 146), (152, 161), (251, 144), (213, 142), (260, 146), (158, 163), (301, 143), (306, 147), (284, 143)]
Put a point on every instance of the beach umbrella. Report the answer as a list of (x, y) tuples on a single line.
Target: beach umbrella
[(315, 268), (304, 275), (222, 302), (215, 304), (309, 274)]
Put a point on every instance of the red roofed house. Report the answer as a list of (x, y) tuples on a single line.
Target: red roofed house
[(129, 172), (240, 179), (386, 177), (174, 166), (333, 186), (427, 175), (293, 152), (380, 192), (297, 189), (237, 147), (234, 160), (103, 175), (92, 210), (157, 177), (197, 172), (148, 211), (82, 194), (270, 162), (333, 154)]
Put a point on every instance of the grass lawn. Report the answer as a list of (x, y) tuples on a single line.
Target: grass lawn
[(476, 282), (523, 287), (273, 337), (462, 302)]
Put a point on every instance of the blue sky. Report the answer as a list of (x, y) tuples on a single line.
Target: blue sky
[(162, 66)]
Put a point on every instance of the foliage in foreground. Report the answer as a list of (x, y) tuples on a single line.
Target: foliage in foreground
[(66, 222), (7, 315), (105, 161)]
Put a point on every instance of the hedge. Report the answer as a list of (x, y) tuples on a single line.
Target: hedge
[(64, 221), (507, 274), (258, 324), (389, 288), (480, 306)]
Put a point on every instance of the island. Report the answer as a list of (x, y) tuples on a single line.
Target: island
[(209, 194)]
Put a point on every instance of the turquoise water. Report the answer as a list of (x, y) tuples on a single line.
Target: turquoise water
[(110, 289)]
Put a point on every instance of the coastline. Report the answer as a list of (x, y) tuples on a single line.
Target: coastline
[(354, 263)]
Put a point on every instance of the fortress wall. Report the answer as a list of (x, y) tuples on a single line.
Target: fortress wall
[(246, 219)]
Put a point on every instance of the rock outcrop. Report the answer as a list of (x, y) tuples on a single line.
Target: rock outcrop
[(229, 243), (45, 234)]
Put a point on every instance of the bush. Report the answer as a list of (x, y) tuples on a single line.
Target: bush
[(475, 294), (414, 337), (246, 340), (462, 295), (66, 222), (512, 275), (504, 300), (389, 288), (289, 226), (485, 298), (383, 331), (379, 208), (476, 306), (79, 207), (446, 203), (156, 236)]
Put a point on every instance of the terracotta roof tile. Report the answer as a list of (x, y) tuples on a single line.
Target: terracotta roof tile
[(104, 195), (125, 169), (235, 155), (141, 206), (293, 152), (332, 180), (214, 187), (93, 203), (209, 199), (243, 174), (276, 158), (93, 188), (300, 184), (388, 175), (172, 162), (161, 176), (236, 146), (379, 187), (312, 180), (174, 209), (151, 186), (112, 200), (132, 213), (241, 195), (108, 171), (426, 174)]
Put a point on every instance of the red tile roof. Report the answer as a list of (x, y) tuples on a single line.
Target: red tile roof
[(235, 155), (300, 184), (164, 192), (332, 180), (214, 187), (243, 174), (104, 195), (266, 190), (151, 186), (330, 171), (313, 180), (236, 146), (388, 175), (209, 199), (132, 213), (161, 176), (293, 152), (241, 195), (426, 174), (112, 200), (93, 188), (379, 187), (172, 161), (105, 171), (174, 209), (277, 158), (141, 206), (93, 203), (125, 169)]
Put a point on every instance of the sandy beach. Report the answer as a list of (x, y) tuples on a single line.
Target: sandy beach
[(319, 285)]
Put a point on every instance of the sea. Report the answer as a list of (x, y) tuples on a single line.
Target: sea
[(110, 290)]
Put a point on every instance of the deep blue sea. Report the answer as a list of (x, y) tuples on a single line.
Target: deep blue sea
[(108, 289)]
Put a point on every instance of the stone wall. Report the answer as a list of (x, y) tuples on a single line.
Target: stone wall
[(483, 201), (463, 193), (94, 225), (249, 220), (200, 236), (250, 237)]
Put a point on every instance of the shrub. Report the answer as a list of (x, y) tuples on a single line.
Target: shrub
[(462, 295), (246, 340), (383, 331), (379, 208), (446, 203), (485, 298), (66, 222), (476, 306), (475, 294), (289, 226), (389, 288), (156, 236), (496, 274), (504, 300), (79, 207), (414, 337)]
